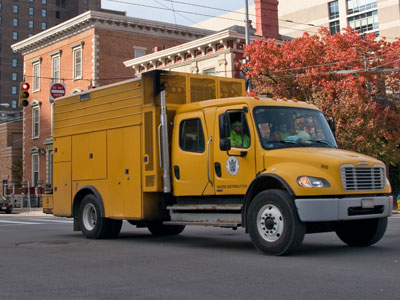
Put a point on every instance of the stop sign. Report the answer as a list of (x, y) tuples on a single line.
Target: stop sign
[(57, 90)]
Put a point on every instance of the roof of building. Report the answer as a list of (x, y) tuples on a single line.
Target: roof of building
[(109, 21)]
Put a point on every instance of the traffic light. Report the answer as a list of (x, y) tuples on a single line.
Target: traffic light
[(23, 94)]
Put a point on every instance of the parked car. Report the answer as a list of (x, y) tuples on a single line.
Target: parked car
[(5, 205)]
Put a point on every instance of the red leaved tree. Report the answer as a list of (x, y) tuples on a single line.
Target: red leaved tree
[(350, 77)]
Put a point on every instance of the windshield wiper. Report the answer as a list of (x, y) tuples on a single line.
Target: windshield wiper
[(323, 142)]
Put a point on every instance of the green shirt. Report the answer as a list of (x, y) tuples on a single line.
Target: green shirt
[(236, 140)]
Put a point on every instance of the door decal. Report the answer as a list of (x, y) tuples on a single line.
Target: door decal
[(232, 165)]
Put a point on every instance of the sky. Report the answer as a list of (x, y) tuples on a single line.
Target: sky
[(187, 12)]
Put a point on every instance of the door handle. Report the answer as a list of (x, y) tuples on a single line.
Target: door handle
[(177, 173), (217, 167)]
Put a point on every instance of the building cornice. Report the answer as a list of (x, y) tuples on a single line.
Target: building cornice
[(187, 47), (102, 20)]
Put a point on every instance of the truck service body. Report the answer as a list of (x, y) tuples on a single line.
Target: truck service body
[(156, 151)]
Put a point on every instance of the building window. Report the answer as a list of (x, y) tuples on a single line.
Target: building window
[(139, 52), (31, 1), (15, 9), (55, 68), (44, 25), (14, 90), (30, 34), (15, 22), (365, 22), (15, 35), (15, 62), (57, 14), (333, 9), (14, 76), (36, 76), (1, 19), (31, 11), (35, 122), (44, 1), (77, 67), (356, 6), (334, 27), (209, 71), (35, 169), (44, 13), (30, 24), (14, 104)]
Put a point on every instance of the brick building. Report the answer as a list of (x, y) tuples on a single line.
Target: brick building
[(10, 152), (84, 52), (22, 19)]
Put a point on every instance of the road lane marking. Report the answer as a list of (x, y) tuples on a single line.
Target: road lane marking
[(19, 222), (52, 221)]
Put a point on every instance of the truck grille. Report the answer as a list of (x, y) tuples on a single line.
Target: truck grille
[(362, 178)]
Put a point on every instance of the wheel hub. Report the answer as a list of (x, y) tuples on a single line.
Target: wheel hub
[(89, 216), (270, 223)]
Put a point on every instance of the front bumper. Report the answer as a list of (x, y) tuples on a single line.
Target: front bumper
[(337, 209)]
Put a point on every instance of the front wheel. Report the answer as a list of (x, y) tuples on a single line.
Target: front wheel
[(157, 228), (362, 233), (273, 223), (93, 225)]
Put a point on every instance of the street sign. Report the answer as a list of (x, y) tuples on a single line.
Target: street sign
[(56, 90)]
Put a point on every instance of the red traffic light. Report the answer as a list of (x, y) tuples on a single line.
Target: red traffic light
[(25, 86)]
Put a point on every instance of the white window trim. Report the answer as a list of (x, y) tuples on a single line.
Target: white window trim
[(144, 49), (53, 57), (35, 108), (34, 87), (74, 50), (38, 167)]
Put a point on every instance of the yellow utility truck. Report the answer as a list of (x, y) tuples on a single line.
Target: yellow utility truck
[(157, 152)]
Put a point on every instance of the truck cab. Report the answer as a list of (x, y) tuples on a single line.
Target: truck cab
[(274, 167)]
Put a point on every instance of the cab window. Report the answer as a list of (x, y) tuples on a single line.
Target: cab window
[(191, 137), (237, 130)]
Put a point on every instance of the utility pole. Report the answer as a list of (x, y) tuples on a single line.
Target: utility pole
[(247, 34), (246, 6)]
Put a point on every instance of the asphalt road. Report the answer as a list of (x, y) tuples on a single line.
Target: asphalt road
[(42, 258)]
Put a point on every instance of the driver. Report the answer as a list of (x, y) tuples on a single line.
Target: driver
[(237, 134)]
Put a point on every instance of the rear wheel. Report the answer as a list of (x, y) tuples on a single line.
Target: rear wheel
[(273, 223), (157, 228), (362, 233), (93, 225)]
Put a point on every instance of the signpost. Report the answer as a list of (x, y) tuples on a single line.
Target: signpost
[(56, 90)]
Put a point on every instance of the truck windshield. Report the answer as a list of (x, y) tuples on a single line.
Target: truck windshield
[(284, 127)]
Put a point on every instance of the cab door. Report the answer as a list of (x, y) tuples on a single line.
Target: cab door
[(234, 169), (189, 155)]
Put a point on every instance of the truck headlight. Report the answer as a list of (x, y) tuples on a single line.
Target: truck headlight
[(312, 182)]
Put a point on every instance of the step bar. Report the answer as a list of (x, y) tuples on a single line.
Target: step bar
[(219, 215)]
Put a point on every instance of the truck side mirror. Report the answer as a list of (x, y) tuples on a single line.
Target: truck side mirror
[(225, 144), (332, 125)]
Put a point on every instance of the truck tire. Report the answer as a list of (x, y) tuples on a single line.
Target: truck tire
[(92, 224), (157, 228), (273, 223), (362, 233), (9, 210)]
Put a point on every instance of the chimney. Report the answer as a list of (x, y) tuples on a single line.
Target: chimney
[(267, 24)]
